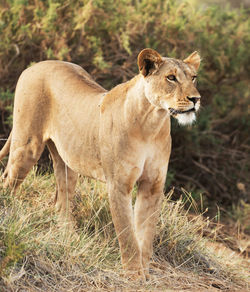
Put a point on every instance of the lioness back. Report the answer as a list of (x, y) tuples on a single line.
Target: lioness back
[(57, 100)]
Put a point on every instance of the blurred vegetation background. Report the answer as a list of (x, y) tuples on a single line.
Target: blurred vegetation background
[(105, 36)]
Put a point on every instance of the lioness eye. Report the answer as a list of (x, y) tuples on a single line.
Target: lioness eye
[(171, 78), (194, 78)]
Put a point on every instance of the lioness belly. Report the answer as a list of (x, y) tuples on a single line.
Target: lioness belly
[(89, 165), (79, 148)]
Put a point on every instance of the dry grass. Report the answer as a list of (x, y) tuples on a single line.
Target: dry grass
[(37, 255)]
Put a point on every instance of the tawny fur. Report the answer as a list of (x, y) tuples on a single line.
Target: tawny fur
[(121, 137)]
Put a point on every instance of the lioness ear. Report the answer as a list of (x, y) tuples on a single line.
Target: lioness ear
[(148, 61), (194, 60)]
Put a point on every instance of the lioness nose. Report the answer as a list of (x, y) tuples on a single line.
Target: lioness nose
[(194, 99)]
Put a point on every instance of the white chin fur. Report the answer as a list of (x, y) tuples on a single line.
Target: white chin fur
[(186, 119)]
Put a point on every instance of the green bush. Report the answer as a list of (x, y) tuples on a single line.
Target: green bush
[(105, 37)]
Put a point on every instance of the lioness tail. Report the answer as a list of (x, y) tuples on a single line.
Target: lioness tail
[(6, 148)]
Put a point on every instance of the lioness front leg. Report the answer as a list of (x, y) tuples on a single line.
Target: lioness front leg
[(147, 208), (122, 216)]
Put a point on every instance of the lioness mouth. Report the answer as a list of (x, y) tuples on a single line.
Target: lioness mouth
[(175, 111)]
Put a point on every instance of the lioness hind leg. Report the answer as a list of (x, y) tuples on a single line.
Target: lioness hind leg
[(66, 180), (21, 159)]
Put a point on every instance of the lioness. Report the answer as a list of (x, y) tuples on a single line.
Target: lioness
[(121, 137)]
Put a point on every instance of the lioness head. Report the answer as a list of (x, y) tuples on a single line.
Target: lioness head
[(170, 83)]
